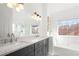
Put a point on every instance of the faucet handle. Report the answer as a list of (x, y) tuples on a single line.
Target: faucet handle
[(8, 35)]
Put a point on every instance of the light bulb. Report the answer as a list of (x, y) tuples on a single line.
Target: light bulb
[(17, 9), (37, 18), (11, 5), (34, 16), (21, 6), (18, 6)]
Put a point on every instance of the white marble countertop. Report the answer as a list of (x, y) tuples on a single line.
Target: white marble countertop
[(21, 43)]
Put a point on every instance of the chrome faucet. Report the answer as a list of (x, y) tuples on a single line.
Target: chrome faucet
[(9, 39), (12, 37)]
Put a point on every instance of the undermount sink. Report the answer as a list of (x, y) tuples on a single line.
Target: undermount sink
[(15, 43), (20, 42)]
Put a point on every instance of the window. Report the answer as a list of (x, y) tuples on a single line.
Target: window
[(69, 27)]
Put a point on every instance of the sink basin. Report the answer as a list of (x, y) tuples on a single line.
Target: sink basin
[(15, 43), (20, 42)]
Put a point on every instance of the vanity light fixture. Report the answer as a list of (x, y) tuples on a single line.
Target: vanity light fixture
[(36, 16), (17, 6)]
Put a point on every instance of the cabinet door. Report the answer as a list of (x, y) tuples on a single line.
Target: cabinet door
[(40, 51), (39, 48), (39, 44), (27, 51)]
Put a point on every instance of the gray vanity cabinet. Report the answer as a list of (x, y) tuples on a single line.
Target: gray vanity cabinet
[(37, 49)]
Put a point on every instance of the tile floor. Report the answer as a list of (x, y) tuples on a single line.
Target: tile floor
[(65, 52)]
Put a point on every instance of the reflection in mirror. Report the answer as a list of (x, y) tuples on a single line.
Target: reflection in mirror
[(18, 30), (35, 28)]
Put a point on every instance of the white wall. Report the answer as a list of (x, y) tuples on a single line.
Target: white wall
[(59, 12), (5, 20)]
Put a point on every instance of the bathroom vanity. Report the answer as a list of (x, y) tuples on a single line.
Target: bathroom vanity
[(35, 47)]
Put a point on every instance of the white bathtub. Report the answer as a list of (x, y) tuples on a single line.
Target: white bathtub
[(69, 42)]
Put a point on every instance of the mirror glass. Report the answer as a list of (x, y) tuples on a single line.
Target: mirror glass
[(18, 23)]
